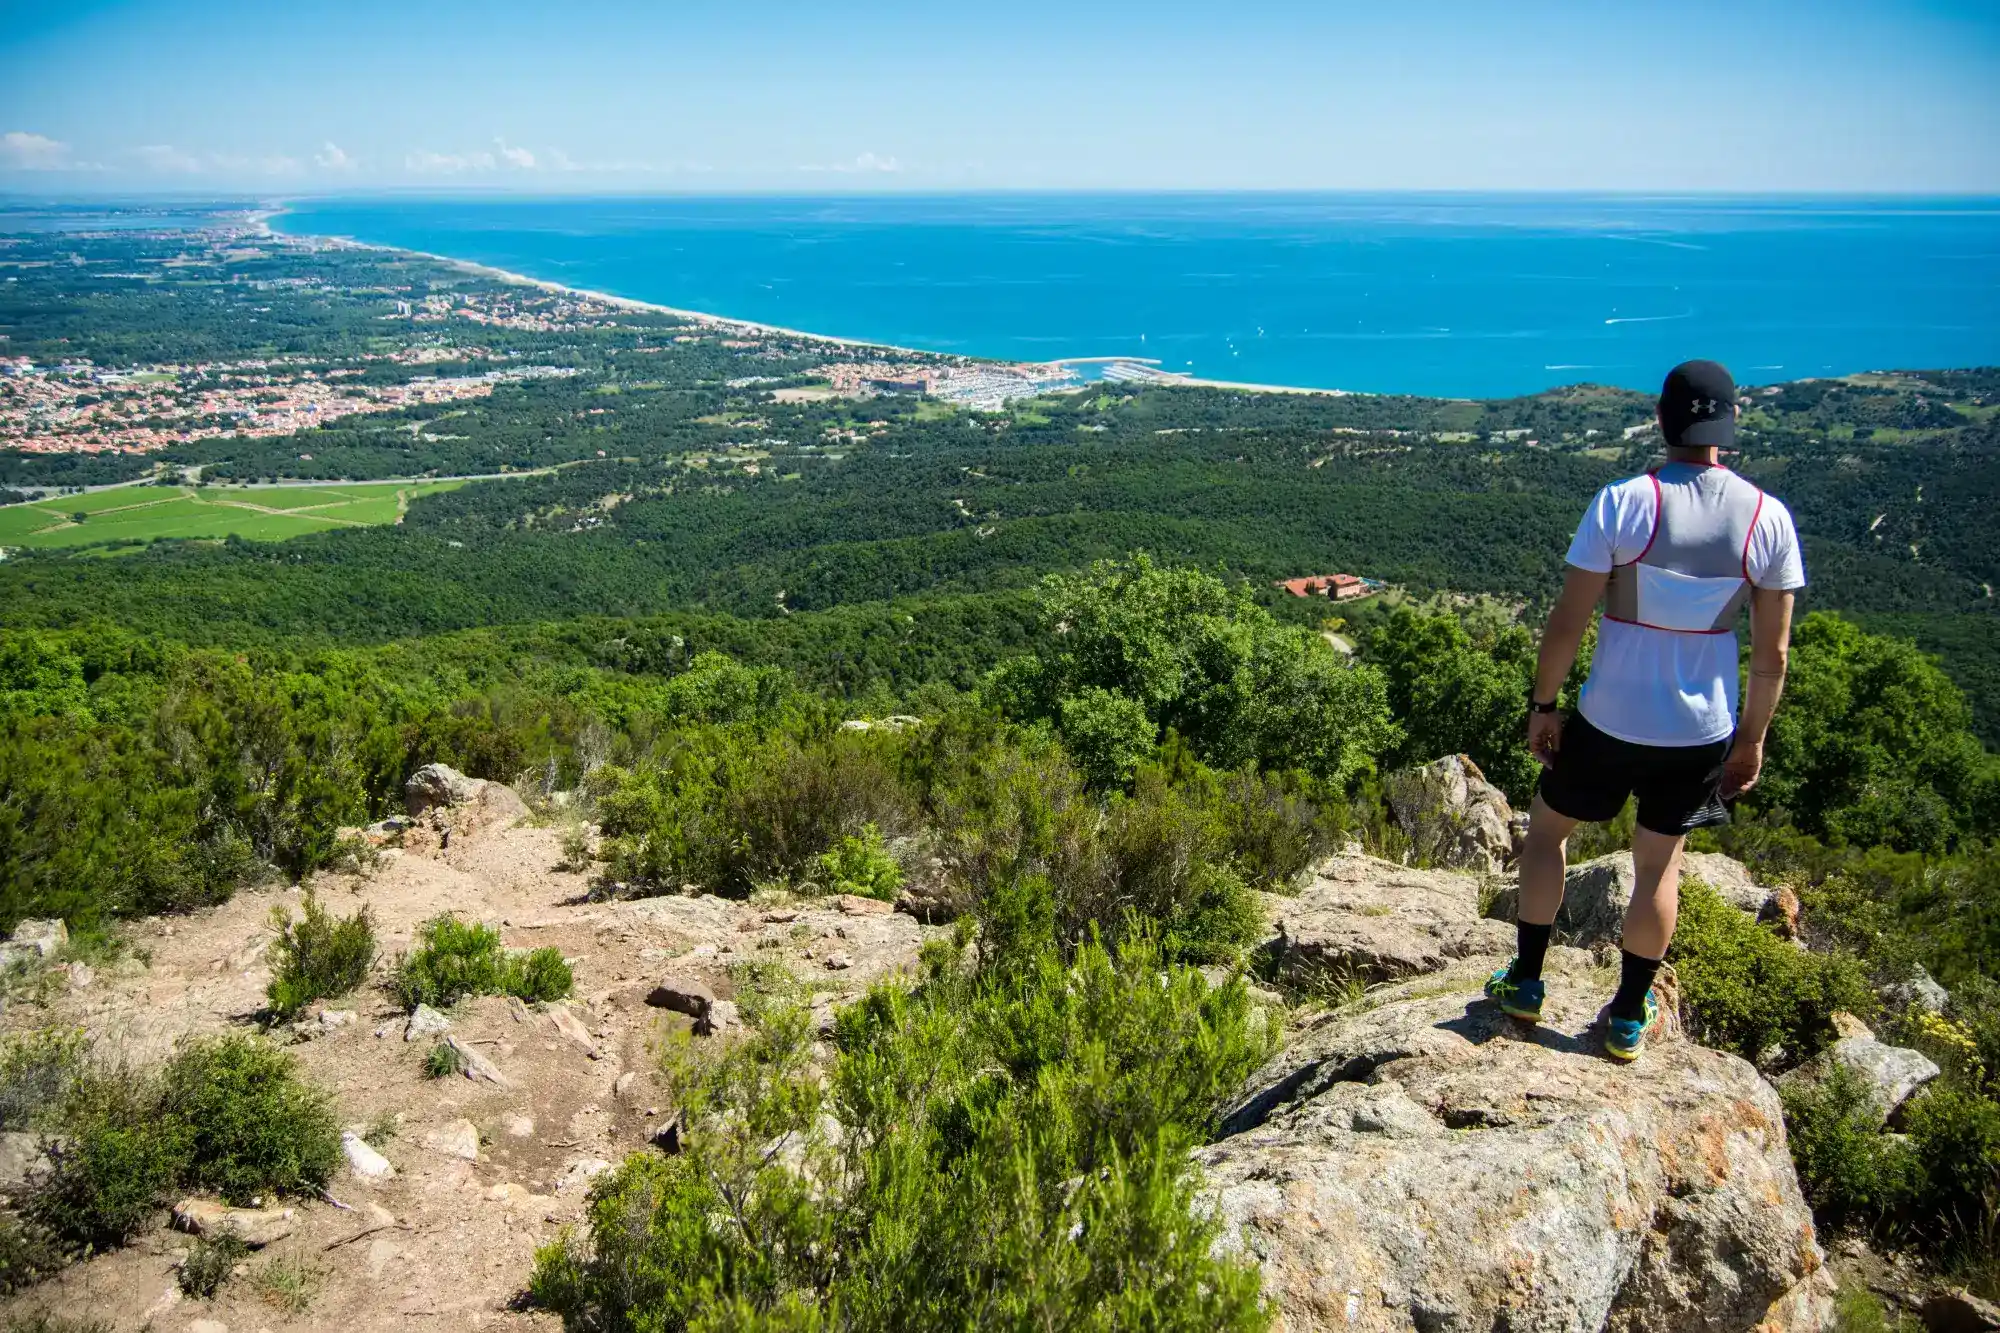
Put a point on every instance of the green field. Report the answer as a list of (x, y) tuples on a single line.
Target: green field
[(261, 513)]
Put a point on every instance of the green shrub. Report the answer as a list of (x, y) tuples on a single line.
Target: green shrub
[(318, 957), (1014, 1141), (28, 1253), (289, 1283), (38, 1072), (1956, 1137), (455, 959), (537, 976), (1748, 990), (1273, 830), (209, 1264), (1848, 1169), (119, 1157), (862, 865), (253, 1127), (443, 1060)]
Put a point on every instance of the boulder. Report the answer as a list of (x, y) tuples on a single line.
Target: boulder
[(45, 937), (362, 1159), (683, 995), (578, 1174), (1956, 1310), (475, 1065), (1892, 1074), (457, 1138), (1728, 877), (1921, 992), (255, 1227), (436, 785), (572, 1027), (1596, 894), (1363, 917), (1452, 815), (722, 1016), (425, 1022), (855, 905), (1428, 1163)]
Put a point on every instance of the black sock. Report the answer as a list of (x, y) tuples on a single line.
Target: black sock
[(1635, 978), (1531, 945)]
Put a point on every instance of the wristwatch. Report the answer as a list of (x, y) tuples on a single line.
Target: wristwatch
[(1536, 706)]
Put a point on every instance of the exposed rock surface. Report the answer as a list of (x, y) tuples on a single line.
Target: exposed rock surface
[(425, 1021), (439, 784), (1372, 919), (1452, 815), (33, 941), (1892, 1074), (362, 1159), (1427, 1163), (1956, 1310), (22, 1161), (255, 1227), (1920, 992)]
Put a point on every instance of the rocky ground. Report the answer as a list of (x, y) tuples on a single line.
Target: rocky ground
[(1410, 1160), (483, 1173)]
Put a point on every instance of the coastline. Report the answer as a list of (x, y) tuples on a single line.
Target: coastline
[(261, 220)]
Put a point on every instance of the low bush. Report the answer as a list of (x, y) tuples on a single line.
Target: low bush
[(28, 1253), (318, 957), (119, 1157), (209, 1263), (38, 1072), (1748, 990), (253, 1126), (1955, 1134), (861, 864), (1012, 1141), (443, 1060), (1849, 1170), (455, 959), (227, 1114)]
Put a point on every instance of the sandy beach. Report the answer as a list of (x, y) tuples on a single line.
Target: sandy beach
[(721, 323)]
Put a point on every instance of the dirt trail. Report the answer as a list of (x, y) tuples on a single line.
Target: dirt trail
[(448, 1242)]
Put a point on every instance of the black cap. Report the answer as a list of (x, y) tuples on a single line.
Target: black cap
[(1698, 405)]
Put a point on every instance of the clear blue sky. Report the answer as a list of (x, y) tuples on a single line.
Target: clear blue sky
[(309, 96)]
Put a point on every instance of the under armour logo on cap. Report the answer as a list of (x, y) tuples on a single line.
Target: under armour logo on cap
[(1698, 405)]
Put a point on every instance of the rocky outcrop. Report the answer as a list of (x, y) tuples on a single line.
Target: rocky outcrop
[(1451, 814), (33, 941), (440, 787), (1366, 918), (1423, 1162), (1597, 892)]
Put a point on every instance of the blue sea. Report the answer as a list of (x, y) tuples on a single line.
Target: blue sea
[(1458, 295)]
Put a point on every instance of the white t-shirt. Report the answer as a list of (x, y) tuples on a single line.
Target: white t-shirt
[(1659, 687)]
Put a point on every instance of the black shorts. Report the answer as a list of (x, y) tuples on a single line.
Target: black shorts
[(1679, 786)]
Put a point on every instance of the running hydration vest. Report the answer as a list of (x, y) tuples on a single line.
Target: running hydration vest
[(1694, 575)]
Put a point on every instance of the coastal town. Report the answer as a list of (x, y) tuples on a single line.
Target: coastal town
[(80, 407)]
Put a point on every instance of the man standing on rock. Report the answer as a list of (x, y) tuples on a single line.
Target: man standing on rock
[(1673, 555)]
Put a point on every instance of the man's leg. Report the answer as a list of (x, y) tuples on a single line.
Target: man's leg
[(1649, 921), (1542, 864)]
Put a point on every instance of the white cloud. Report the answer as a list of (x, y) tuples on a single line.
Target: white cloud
[(427, 163), (166, 158), (519, 158), (334, 158), (865, 164), (23, 151)]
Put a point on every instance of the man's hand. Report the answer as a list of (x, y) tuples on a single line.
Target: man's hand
[(1545, 731), (1740, 769)]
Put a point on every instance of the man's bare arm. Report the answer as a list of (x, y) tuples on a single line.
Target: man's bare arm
[(1564, 633), (1770, 649), (1561, 637)]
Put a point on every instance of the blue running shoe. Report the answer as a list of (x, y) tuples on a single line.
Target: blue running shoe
[(1517, 999), (1625, 1038)]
